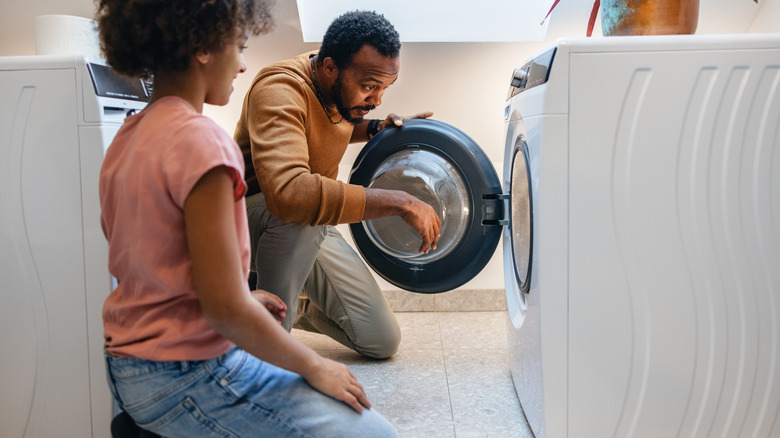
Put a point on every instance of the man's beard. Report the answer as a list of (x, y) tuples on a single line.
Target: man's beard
[(335, 96)]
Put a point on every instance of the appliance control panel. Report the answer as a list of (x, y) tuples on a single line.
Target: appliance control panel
[(108, 83), (532, 74)]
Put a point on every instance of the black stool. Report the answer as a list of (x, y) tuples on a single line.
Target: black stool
[(123, 426)]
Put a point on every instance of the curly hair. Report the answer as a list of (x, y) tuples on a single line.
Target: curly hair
[(350, 31), (141, 37)]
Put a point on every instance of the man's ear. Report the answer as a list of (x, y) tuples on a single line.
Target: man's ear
[(329, 68)]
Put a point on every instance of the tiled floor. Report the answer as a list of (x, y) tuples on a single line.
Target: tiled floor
[(449, 379)]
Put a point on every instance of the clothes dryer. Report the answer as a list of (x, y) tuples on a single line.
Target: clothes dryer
[(59, 114), (639, 212)]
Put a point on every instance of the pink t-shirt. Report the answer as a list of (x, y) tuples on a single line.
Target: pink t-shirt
[(155, 160)]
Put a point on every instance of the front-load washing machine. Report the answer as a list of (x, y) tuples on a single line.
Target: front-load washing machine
[(639, 211), (59, 114)]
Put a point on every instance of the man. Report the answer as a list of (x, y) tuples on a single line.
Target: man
[(297, 120)]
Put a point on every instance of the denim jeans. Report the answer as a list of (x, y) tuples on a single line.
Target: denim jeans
[(234, 395)]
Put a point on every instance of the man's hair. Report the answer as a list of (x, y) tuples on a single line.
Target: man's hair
[(352, 30), (141, 37)]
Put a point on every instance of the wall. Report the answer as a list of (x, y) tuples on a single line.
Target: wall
[(767, 19), (464, 84)]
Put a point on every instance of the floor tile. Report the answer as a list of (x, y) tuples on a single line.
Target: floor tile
[(449, 379), (410, 390), (419, 330), (484, 402), (473, 330)]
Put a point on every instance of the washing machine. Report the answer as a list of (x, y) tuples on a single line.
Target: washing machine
[(639, 208), (59, 114)]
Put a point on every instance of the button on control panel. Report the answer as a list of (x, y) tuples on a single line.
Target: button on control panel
[(534, 73)]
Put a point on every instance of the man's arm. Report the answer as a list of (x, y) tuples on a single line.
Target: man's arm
[(419, 215), (276, 130), (382, 203)]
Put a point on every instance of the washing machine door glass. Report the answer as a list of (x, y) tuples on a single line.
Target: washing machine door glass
[(520, 212), (432, 179), (442, 166)]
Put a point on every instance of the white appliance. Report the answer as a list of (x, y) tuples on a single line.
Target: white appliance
[(639, 212), (653, 306), (58, 116)]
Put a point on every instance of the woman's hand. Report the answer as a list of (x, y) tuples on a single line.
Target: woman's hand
[(336, 380)]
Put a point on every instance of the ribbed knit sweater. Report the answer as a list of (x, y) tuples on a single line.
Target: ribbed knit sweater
[(292, 151)]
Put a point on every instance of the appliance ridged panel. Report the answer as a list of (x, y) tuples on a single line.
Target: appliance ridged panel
[(666, 213), (22, 296), (47, 237)]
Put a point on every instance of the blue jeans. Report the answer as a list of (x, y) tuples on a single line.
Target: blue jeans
[(234, 395)]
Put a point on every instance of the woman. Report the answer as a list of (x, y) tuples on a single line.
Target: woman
[(190, 351)]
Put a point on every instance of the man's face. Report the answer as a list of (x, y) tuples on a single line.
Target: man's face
[(359, 87)]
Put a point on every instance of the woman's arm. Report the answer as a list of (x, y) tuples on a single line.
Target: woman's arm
[(229, 307)]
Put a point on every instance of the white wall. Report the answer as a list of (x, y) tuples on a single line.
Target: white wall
[(767, 19), (464, 84)]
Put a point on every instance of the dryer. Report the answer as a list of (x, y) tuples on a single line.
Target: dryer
[(641, 248), (59, 114)]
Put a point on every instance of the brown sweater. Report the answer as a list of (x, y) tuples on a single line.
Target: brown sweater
[(292, 151)]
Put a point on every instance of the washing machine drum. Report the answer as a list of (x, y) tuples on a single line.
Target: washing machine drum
[(443, 167)]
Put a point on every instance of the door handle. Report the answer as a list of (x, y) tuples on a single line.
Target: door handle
[(495, 209)]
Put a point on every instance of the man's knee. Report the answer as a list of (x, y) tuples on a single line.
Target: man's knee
[(381, 342)]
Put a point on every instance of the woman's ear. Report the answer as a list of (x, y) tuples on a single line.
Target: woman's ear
[(202, 57)]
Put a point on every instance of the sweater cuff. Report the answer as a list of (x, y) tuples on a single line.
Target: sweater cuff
[(355, 204)]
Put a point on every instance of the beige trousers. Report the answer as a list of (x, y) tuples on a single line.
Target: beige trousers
[(342, 300)]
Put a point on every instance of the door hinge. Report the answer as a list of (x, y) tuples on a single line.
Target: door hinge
[(495, 209)]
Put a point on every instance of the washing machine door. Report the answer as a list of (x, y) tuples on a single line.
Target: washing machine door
[(520, 229), (444, 167)]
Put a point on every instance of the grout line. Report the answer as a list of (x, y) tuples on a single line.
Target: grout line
[(446, 376)]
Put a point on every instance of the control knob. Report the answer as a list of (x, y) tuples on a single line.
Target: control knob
[(519, 78)]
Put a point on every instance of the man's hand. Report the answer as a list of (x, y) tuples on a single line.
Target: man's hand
[(396, 120), (362, 132), (418, 214), (274, 304), (422, 217)]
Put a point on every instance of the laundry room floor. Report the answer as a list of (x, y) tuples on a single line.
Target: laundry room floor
[(449, 379)]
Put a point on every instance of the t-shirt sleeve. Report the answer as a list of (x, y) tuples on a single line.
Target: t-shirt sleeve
[(204, 146)]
